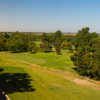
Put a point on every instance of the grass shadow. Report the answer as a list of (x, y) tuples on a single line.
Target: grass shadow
[(1, 69), (74, 68), (15, 82)]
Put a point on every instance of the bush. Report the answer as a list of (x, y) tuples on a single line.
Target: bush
[(32, 47)]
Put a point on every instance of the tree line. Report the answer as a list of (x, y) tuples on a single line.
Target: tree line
[(84, 47), (22, 42), (86, 56)]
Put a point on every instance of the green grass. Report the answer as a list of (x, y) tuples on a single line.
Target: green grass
[(49, 60), (48, 86)]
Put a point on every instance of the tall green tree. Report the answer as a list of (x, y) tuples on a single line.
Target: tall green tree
[(67, 45), (96, 58), (46, 44), (58, 41), (18, 42), (32, 47), (3, 42), (87, 54)]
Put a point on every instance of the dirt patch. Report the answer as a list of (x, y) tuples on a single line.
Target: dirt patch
[(86, 83), (74, 78)]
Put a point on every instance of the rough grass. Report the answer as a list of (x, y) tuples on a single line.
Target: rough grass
[(47, 86)]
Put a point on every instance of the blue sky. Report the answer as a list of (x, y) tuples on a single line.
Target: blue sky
[(49, 15)]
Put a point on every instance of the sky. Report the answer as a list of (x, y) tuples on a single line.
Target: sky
[(49, 15)]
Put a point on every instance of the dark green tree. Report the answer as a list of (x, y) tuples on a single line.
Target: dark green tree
[(18, 42), (67, 45), (87, 54), (32, 47), (96, 58), (3, 42), (46, 43), (58, 41)]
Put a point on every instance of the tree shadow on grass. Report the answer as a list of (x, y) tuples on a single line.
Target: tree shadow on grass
[(74, 68), (15, 82), (1, 69)]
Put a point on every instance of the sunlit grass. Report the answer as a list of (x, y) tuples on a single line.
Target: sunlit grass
[(49, 60), (48, 86)]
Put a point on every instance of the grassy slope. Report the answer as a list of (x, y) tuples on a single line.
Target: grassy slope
[(49, 60), (48, 86)]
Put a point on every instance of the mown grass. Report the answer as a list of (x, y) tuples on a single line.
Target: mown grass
[(49, 60), (47, 86)]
